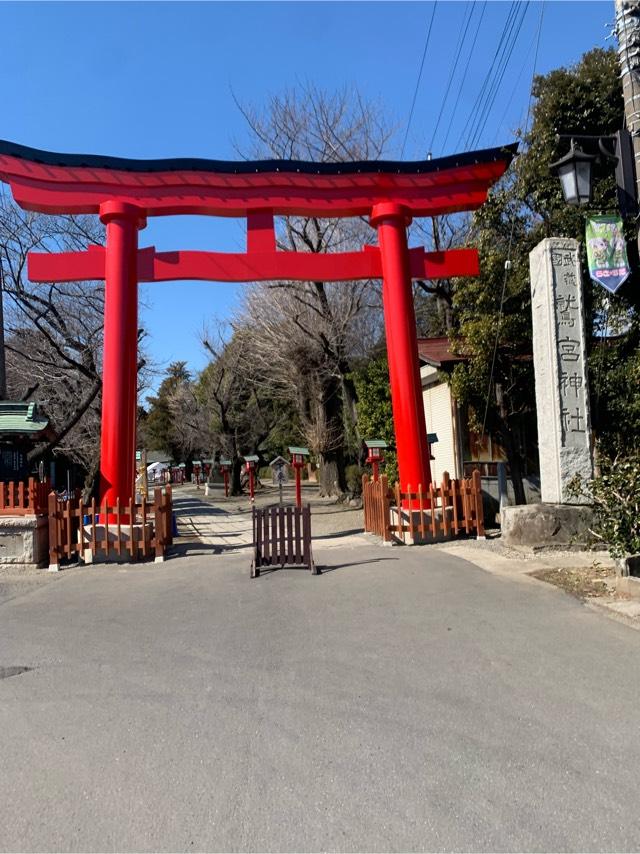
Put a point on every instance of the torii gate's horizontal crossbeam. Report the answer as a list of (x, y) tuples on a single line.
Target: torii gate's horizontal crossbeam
[(251, 267), (69, 183)]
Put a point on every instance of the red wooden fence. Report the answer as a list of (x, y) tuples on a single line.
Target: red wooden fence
[(441, 512), (132, 531), (24, 499)]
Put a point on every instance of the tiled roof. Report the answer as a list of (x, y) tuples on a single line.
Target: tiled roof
[(21, 418), (436, 351)]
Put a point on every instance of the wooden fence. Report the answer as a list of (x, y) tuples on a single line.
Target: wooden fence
[(441, 512), (129, 532), (24, 499), (282, 537)]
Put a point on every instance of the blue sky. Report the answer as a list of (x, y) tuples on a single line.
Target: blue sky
[(157, 80)]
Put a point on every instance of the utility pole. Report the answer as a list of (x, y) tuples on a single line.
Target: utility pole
[(628, 35)]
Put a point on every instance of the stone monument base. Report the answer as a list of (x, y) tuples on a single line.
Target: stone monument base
[(24, 541), (418, 538), (546, 525), (112, 555)]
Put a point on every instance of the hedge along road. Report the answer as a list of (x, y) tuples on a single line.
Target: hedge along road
[(403, 700)]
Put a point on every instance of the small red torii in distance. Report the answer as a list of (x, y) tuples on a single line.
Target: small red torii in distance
[(125, 192)]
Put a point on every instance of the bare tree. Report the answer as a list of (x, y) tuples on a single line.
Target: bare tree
[(305, 336), (54, 332), (226, 409)]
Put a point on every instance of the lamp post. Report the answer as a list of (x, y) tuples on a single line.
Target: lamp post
[(250, 464), (575, 169), (225, 468), (298, 461), (374, 455)]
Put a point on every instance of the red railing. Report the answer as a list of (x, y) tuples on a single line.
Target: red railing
[(24, 499)]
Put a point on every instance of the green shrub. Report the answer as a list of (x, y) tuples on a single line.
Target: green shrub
[(390, 467), (615, 496), (353, 475)]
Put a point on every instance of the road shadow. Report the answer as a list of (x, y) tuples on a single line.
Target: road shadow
[(324, 569), (335, 534), (191, 547)]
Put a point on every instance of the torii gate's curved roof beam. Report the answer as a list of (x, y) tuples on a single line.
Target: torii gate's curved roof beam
[(75, 183)]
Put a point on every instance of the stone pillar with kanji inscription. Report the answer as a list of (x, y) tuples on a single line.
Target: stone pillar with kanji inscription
[(560, 364)]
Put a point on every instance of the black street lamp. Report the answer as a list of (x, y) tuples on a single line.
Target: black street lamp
[(575, 169)]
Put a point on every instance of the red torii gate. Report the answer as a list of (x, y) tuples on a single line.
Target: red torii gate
[(125, 192)]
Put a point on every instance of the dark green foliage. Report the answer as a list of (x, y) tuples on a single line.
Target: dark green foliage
[(587, 99), (615, 496), (526, 207), (375, 416), (157, 427), (353, 476)]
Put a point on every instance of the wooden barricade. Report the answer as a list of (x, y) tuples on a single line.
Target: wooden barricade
[(24, 499), (439, 512), (282, 537), (124, 532)]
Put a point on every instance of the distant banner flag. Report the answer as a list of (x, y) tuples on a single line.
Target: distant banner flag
[(607, 252)]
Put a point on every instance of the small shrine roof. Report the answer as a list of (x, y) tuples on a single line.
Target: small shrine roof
[(18, 418)]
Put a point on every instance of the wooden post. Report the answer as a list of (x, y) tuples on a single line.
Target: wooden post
[(454, 503), (68, 505), (433, 500), (143, 508), (104, 521), (477, 497), (398, 498), (290, 551), (422, 527), (466, 505), (386, 509), (365, 501), (132, 544), (54, 564), (445, 495), (282, 546), (94, 541), (118, 527)]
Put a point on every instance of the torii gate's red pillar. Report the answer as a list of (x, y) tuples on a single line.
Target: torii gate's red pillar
[(120, 356), (392, 220)]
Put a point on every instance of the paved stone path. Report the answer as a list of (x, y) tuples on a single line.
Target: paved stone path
[(211, 525), (231, 530)]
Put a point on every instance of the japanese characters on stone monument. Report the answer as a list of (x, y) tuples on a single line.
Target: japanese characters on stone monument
[(559, 357)]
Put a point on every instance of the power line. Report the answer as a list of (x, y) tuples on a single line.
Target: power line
[(493, 94), (507, 265), (513, 91), (503, 62), (456, 100), (458, 52), (415, 94), (474, 110)]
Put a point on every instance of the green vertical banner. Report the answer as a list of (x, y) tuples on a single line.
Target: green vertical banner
[(607, 251)]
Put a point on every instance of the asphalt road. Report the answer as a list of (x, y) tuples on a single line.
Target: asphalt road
[(395, 703)]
